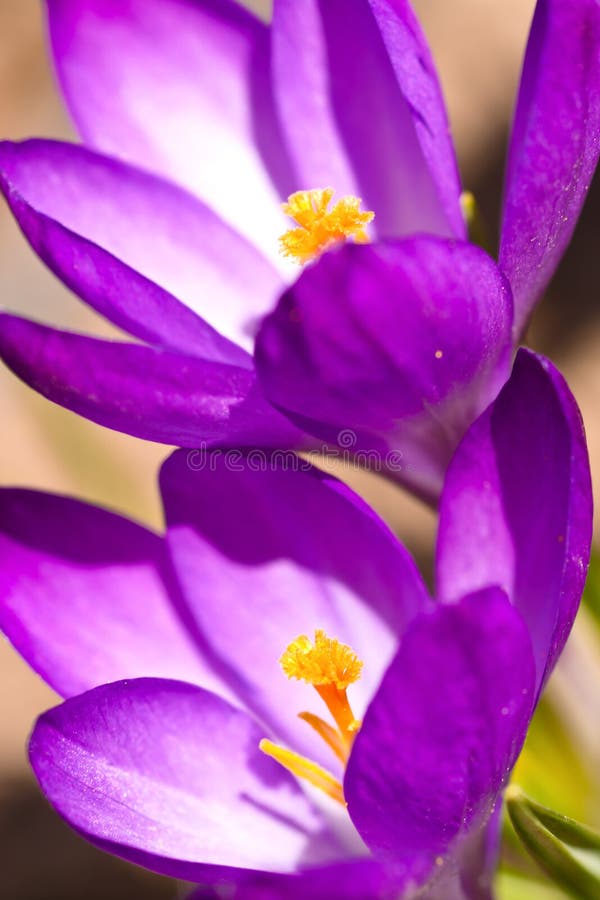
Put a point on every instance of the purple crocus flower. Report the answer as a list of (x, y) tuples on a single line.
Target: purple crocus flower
[(198, 120), (167, 649)]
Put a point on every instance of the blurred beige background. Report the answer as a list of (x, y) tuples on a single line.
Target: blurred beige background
[(478, 45)]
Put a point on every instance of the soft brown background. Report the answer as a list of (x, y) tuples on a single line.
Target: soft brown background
[(478, 45)]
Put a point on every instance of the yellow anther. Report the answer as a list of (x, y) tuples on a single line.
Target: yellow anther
[(474, 221), (326, 662), (468, 205), (320, 227), (305, 768)]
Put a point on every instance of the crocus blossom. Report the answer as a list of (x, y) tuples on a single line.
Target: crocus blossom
[(167, 221), (166, 650)]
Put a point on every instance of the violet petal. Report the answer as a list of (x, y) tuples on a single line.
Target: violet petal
[(362, 110), (179, 87), (443, 732), (554, 146), (394, 347), (300, 551), (516, 509), (356, 880), (144, 391), (88, 597), (73, 204), (170, 776)]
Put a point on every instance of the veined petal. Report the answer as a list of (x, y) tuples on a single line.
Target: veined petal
[(395, 347), (170, 776), (179, 87), (88, 597), (301, 552), (87, 215), (516, 509), (144, 391), (554, 147), (362, 110), (442, 734)]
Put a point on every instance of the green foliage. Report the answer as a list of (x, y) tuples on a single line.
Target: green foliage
[(566, 850)]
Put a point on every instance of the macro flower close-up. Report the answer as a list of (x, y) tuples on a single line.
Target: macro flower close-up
[(168, 220), (298, 583), (428, 701)]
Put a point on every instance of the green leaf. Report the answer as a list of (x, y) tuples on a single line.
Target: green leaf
[(515, 886), (566, 850)]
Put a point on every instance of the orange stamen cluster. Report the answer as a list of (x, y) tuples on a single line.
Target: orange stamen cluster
[(319, 227), (330, 667)]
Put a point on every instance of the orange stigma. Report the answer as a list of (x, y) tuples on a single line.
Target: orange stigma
[(330, 667), (319, 227)]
